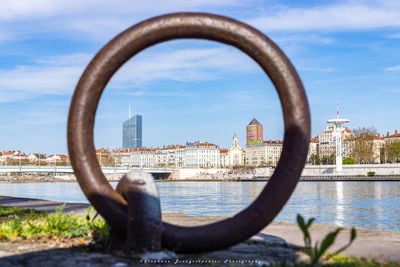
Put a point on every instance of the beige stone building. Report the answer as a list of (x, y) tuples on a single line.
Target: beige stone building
[(122, 157), (263, 153), (223, 153), (273, 150), (389, 139), (234, 156), (37, 158), (312, 148), (255, 155), (193, 155)]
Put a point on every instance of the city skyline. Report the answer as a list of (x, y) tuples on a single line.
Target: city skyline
[(254, 122), (192, 89)]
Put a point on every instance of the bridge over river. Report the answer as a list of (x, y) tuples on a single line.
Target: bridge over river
[(69, 170)]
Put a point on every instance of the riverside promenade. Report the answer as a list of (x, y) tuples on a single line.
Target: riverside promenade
[(279, 240)]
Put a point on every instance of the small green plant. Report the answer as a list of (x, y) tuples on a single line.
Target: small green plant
[(6, 211), (53, 225), (370, 174), (101, 228), (349, 160), (315, 253), (339, 260)]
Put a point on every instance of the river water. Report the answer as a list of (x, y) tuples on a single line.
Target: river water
[(373, 205)]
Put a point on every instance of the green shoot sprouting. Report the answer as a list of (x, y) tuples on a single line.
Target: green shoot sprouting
[(316, 252)]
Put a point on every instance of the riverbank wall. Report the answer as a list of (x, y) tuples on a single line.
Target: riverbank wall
[(212, 174), (310, 172), (352, 170), (334, 178), (381, 172)]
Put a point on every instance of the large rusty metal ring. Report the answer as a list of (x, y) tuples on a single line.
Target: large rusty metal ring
[(272, 60)]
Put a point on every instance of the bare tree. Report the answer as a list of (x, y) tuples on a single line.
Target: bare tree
[(363, 145)]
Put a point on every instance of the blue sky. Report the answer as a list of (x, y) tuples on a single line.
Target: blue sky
[(344, 51)]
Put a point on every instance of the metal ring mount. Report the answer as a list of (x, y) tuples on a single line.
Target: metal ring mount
[(272, 60)]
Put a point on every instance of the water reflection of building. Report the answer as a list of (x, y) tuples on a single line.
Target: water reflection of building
[(339, 204)]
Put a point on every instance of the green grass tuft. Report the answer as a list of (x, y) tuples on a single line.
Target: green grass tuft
[(26, 224), (6, 211)]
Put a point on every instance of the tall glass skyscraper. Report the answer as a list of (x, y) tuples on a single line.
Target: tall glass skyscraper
[(132, 132)]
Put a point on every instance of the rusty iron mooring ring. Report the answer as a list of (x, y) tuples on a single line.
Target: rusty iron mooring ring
[(201, 26)]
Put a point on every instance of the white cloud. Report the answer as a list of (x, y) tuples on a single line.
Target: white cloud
[(25, 8), (59, 74), (393, 68), (395, 36), (37, 80), (166, 94), (187, 65), (54, 116), (301, 38), (66, 60), (4, 36), (248, 96), (316, 69), (97, 20), (393, 90), (344, 16), (49, 75), (28, 9)]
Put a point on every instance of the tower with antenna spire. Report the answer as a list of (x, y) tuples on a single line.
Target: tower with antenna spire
[(338, 137), (132, 131)]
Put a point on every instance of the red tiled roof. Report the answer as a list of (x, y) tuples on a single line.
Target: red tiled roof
[(207, 144), (105, 150), (376, 137), (396, 134)]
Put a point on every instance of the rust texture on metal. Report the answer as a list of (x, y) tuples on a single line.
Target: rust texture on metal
[(143, 232), (112, 206)]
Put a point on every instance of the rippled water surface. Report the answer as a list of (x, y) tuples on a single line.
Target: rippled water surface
[(364, 204)]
